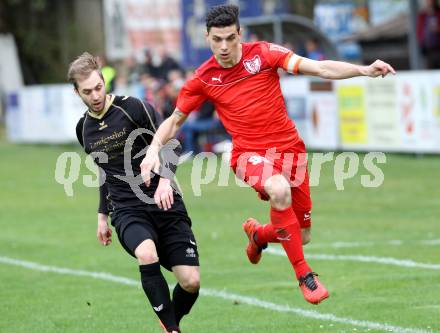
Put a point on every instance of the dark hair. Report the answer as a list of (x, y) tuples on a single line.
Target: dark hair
[(222, 16)]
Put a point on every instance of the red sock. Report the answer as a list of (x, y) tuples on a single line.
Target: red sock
[(288, 231), (266, 234)]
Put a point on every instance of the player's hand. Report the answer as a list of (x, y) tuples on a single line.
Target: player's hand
[(164, 196), (379, 67), (103, 233), (149, 164)]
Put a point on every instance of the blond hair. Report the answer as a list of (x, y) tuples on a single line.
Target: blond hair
[(82, 67)]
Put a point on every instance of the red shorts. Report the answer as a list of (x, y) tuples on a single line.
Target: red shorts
[(255, 168)]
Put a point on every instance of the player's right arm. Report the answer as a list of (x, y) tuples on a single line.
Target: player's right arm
[(103, 233), (191, 96), (166, 131)]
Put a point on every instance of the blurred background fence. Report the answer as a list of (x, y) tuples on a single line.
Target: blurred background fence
[(152, 46)]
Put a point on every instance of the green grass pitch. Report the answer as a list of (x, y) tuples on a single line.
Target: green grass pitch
[(400, 220)]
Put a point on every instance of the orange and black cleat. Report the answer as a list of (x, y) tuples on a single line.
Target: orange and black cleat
[(253, 250), (313, 291)]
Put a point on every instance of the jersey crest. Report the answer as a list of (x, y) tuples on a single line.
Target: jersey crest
[(253, 65)]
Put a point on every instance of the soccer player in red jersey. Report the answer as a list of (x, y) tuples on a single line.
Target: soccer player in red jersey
[(241, 80)]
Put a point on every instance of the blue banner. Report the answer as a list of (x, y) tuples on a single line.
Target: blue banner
[(194, 46), (337, 20)]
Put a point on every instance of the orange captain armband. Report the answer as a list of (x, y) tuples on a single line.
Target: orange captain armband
[(291, 65)]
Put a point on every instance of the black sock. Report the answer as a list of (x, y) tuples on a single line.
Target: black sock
[(183, 301), (156, 289)]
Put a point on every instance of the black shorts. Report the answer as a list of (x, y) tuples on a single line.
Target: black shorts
[(170, 231)]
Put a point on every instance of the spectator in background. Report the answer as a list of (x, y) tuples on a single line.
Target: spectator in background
[(155, 78), (149, 67), (168, 94), (428, 33), (167, 64), (149, 86), (313, 50), (109, 74), (253, 37), (203, 121), (175, 76), (133, 70), (189, 73), (121, 87)]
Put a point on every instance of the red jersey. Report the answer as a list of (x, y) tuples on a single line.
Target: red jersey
[(247, 97)]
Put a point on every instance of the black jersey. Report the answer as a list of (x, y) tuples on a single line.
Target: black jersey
[(113, 138)]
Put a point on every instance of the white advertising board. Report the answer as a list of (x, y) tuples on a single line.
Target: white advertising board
[(43, 114), (400, 113)]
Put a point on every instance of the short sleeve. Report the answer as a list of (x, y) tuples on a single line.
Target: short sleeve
[(281, 57), (79, 131), (191, 95)]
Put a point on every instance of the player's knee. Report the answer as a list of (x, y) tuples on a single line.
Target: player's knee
[(146, 252), (306, 236), (191, 282), (279, 191), (146, 258)]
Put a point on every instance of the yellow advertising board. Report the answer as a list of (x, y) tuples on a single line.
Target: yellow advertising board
[(353, 125), (437, 102)]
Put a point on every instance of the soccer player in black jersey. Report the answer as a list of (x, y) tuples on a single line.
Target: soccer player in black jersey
[(152, 223)]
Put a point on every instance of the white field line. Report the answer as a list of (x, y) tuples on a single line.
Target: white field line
[(393, 242), (431, 242), (359, 258), (221, 294)]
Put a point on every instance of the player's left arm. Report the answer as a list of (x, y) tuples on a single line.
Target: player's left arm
[(280, 57), (336, 70)]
